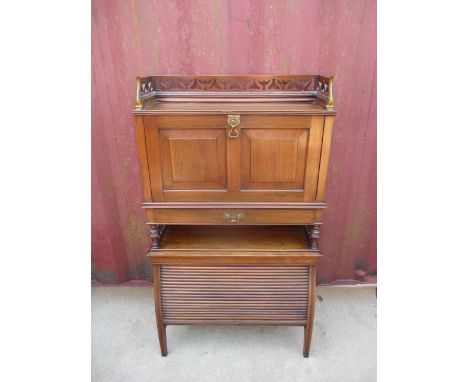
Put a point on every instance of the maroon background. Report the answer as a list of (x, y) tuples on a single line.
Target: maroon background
[(131, 38)]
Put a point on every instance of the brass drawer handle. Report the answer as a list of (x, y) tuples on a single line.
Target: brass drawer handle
[(233, 217), (233, 120)]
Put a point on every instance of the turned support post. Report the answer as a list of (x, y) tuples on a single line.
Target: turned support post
[(313, 234), (156, 234)]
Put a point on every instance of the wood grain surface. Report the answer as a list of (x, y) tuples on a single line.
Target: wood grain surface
[(235, 294)]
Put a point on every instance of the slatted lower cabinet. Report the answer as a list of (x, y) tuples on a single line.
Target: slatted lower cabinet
[(247, 294), (234, 275)]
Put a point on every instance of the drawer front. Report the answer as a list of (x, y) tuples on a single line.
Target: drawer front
[(235, 216), (234, 294)]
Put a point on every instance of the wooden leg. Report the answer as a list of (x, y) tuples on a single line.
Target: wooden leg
[(162, 339), (158, 308), (310, 313)]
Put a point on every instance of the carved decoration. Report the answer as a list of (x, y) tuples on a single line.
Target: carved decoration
[(156, 234), (313, 87), (145, 90), (313, 234), (234, 84), (322, 87), (146, 87)]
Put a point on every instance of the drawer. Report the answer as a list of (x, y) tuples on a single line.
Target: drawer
[(235, 216), (234, 294)]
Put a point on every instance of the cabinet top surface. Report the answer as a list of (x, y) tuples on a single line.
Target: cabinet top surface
[(294, 108), (293, 94), (258, 238)]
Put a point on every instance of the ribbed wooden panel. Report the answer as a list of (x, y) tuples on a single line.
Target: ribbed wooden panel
[(234, 294)]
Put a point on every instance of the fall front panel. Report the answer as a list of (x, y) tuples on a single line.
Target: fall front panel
[(271, 159)]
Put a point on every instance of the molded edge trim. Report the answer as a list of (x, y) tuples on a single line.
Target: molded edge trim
[(235, 205)]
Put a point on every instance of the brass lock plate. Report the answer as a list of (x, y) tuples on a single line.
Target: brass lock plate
[(233, 217), (233, 120)]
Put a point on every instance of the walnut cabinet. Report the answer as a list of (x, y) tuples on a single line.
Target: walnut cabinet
[(239, 160)]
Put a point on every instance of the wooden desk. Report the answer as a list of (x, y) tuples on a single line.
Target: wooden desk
[(234, 171)]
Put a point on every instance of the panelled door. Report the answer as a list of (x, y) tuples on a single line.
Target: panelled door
[(266, 158)]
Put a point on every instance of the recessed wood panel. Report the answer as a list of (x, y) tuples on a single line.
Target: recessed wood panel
[(186, 156), (273, 159), (267, 163), (193, 159)]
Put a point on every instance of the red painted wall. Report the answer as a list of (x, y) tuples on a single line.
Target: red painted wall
[(131, 38)]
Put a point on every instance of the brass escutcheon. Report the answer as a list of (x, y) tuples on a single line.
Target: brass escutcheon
[(233, 217), (233, 120)]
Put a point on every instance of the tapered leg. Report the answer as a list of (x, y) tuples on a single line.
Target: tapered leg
[(310, 313), (158, 309), (162, 339)]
